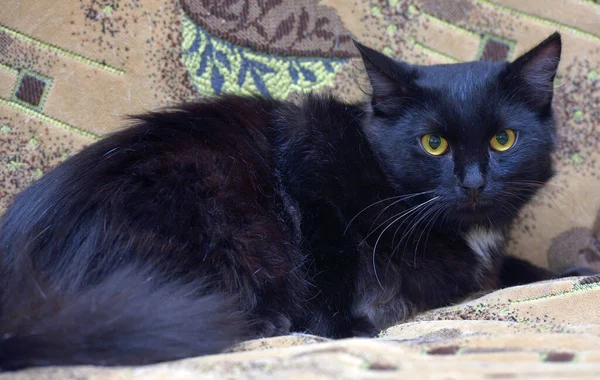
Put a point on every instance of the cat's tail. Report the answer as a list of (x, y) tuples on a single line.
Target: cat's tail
[(129, 318)]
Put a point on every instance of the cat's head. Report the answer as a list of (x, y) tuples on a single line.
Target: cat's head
[(478, 136)]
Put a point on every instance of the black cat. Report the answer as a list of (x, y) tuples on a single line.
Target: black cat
[(241, 217)]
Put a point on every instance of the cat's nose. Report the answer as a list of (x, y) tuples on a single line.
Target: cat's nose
[(473, 190), (475, 184), (473, 181)]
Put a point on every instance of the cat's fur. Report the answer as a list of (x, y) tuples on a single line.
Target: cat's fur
[(241, 217)]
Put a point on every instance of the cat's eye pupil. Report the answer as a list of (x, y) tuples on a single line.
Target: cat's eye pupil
[(434, 142), (502, 138)]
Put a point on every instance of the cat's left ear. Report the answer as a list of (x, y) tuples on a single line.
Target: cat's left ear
[(534, 72), (388, 77)]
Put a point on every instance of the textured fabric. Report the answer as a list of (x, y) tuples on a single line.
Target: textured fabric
[(546, 330), (70, 71)]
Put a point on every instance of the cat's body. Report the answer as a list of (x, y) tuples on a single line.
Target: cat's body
[(242, 217)]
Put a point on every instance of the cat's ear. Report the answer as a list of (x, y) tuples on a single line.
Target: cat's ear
[(388, 77), (534, 72)]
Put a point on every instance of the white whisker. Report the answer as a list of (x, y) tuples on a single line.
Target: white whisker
[(385, 229), (398, 197)]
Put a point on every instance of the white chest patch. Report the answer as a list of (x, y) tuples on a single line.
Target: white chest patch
[(484, 242)]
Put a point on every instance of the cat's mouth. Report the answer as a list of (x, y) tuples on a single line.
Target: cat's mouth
[(482, 211), (476, 208)]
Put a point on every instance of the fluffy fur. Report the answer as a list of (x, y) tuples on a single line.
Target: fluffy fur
[(241, 217)]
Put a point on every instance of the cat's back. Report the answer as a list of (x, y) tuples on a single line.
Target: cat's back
[(176, 181), (170, 239)]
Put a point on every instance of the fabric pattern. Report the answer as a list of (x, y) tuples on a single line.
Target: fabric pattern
[(71, 71), (216, 67), (547, 330)]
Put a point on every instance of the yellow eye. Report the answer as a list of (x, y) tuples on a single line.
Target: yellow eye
[(503, 140), (434, 144)]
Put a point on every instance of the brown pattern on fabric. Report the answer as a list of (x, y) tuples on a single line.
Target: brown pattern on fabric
[(105, 23), (590, 280), (280, 27), (444, 350), (170, 83), (5, 42), (495, 51), (31, 90), (577, 107), (28, 149), (101, 12), (577, 246), (452, 11), (560, 357), (22, 55)]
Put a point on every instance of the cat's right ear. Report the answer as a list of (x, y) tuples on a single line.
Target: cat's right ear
[(533, 73), (388, 77)]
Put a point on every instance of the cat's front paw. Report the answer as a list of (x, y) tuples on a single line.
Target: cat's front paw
[(362, 327), (271, 324)]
